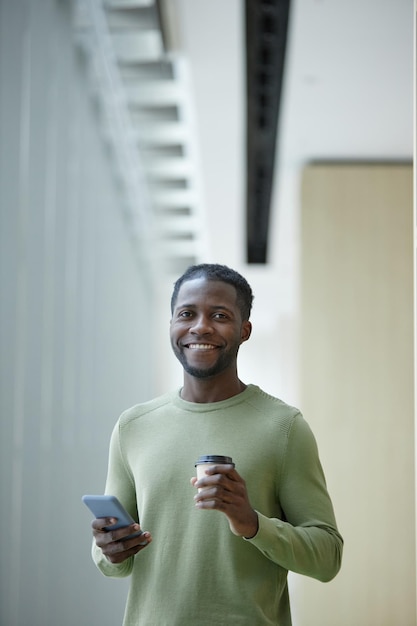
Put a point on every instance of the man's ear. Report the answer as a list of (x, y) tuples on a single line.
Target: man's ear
[(246, 330)]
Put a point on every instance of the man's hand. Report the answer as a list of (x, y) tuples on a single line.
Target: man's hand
[(223, 489), (111, 542)]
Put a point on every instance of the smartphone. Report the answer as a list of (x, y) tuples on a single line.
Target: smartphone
[(109, 506)]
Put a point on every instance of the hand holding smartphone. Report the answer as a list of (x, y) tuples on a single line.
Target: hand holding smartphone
[(109, 506)]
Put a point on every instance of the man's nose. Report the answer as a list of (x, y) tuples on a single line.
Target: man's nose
[(201, 325)]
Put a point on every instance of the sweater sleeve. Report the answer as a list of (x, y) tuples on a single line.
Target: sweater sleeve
[(119, 483), (306, 540)]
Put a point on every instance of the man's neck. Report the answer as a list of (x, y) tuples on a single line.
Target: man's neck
[(204, 391)]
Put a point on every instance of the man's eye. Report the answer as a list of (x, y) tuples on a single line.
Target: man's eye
[(221, 316), (185, 314)]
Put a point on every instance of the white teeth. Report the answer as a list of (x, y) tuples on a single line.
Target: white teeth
[(201, 346)]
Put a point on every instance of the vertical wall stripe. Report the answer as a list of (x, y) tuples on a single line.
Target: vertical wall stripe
[(21, 328)]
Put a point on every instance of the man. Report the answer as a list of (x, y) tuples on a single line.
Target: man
[(222, 557)]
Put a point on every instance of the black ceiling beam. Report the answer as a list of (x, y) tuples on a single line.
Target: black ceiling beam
[(266, 38)]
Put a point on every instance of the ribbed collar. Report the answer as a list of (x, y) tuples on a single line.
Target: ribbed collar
[(204, 407)]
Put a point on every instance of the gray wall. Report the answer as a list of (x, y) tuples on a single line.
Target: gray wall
[(74, 322)]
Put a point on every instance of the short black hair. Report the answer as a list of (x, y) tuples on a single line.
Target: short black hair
[(214, 271)]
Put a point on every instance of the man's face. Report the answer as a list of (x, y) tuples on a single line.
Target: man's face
[(207, 328)]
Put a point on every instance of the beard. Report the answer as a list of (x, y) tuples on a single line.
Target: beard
[(225, 360)]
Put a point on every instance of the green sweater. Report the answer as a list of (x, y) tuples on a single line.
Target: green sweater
[(196, 572)]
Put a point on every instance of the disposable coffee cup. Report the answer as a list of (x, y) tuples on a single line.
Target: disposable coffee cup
[(208, 460)]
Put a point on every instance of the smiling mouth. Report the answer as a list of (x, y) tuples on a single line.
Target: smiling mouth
[(200, 346)]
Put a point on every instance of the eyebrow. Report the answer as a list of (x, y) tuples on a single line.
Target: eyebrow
[(214, 307)]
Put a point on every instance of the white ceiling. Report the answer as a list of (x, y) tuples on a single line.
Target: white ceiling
[(348, 94)]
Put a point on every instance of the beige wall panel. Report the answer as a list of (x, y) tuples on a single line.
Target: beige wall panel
[(357, 386)]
